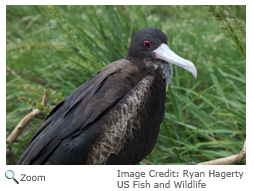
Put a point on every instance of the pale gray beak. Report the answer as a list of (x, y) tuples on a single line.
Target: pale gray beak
[(163, 52)]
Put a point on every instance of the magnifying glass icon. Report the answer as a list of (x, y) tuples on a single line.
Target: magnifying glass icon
[(10, 175)]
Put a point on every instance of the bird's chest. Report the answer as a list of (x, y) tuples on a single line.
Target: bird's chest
[(135, 118)]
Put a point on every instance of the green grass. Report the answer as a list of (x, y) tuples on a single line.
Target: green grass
[(59, 47)]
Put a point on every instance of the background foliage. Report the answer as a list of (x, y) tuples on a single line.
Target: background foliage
[(59, 48)]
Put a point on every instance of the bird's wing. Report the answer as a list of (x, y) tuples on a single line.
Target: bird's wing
[(84, 106)]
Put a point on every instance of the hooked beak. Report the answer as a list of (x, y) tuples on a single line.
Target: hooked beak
[(163, 52)]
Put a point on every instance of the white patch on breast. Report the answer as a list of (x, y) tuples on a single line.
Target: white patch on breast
[(119, 125)]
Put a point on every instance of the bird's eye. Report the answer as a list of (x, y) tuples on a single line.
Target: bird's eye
[(147, 43)]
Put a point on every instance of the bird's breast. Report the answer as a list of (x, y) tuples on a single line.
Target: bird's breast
[(119, 124)]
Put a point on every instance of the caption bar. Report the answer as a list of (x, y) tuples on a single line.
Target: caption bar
[(171, 178)]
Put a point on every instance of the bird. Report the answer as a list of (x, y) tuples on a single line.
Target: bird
[(114, 117)]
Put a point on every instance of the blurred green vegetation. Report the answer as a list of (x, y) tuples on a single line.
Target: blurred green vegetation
[(59, 47)]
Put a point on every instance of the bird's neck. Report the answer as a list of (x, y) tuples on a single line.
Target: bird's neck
[(156, 67), (161, 68)]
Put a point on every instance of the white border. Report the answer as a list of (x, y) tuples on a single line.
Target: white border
[(126, 2), (104, 177)]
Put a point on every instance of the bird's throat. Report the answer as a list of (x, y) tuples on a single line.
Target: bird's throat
[(164, 69)]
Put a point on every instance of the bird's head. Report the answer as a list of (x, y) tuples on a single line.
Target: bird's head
[(151, 44)]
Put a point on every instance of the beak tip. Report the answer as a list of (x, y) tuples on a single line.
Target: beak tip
[(195, 74), (192, 69)]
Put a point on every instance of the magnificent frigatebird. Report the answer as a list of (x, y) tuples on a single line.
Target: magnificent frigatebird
[(115, 116)]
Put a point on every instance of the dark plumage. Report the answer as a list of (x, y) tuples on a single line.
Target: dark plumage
[(114, 117)]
